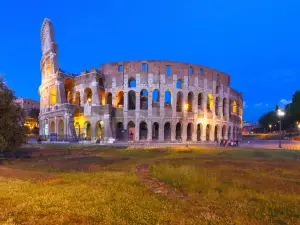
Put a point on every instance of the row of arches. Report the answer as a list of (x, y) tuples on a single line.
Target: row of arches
[(219, 132)]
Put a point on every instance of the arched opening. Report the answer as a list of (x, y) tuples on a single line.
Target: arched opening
[(216, 133), (155, 98), (101, 82), (100, 130), (200, 101), (52, 127), (178, 132), (225, 106), (168, 99), (120, 131), (189, 132), (143, 131), (190, 101), (155, 131), (199, 131), (77, 129), (229, 133), (179, 102), (132, 83), (179, 83), (53, 96), (144, 99), (131, 131), (223, 132), (230, 106), (61, 128), (234, 107), (218, 88), (88, 96), (87, 131), (77, 98), (102, 96), (210, 102), (208, 127), (108, 98), (167, 131), (69, 87), (120, 99), (217, 106), (131, 100)]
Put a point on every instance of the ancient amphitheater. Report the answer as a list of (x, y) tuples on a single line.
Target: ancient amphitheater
[(146, 100)]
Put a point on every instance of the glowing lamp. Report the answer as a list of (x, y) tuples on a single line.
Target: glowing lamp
[(280, 113), (89, 100), (186, 106)]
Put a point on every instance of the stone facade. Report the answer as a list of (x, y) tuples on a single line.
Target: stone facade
[(147, 100)]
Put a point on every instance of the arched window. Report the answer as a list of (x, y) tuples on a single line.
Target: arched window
[(210, 102), (109, 98), (179, 103), (234, 107), (217, 106), (143, 131), (155, 98), (132, 83), (168, 99), (53, 96), (167, 131), (200, 101), (144, 99), (120, 99), (131, 100), (77, 98), (155, 131), (69, 86), (61, 128), (88, 96), (179, 84), (190, 102)]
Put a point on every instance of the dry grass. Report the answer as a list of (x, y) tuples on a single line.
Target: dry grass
[(224, 187)]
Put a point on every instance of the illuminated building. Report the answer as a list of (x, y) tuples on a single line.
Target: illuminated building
[(27, 105), (137, 100)]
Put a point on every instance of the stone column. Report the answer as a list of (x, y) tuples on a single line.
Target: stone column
[(95, 94), (149, 125), (174, 103), (56, 125), (137, 101), (107, 127), (184, 132), (137, 130), (203, 133), (162, 104), (82, 102), (150, 104), (161, 136), (173, 131), (125, 107), (60, 92), (194, 132)]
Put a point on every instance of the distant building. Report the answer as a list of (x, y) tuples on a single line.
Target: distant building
[(248, 127), (31, 119)]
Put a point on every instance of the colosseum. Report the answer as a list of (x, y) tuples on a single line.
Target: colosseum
[(145, 100)]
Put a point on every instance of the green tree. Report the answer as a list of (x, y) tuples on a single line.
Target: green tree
[(12, 131), (295, 107), (269, 118)]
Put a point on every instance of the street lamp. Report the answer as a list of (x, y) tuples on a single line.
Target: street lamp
[(270, 126), (280, 114), (186, 106)]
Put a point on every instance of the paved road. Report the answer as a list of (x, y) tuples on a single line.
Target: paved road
[(273, 144)]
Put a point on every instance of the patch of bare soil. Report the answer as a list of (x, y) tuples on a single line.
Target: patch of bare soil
[(156, 186), (24, 174)]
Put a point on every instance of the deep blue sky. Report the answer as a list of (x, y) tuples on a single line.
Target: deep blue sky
[(256, 41)]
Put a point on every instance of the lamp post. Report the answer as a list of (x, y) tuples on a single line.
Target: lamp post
[(280, 114), (270, 126)]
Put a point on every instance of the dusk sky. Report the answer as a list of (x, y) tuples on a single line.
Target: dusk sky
[(257, 42)]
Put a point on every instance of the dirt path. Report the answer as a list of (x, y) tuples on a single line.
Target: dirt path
[(24, 174), (156, 186)]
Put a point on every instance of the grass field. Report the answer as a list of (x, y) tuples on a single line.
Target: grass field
[(104, 185)]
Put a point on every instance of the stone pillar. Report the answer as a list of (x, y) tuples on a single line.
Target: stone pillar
[(161, 136), (174, 103), (212, 133), (194, 132), (95, 94), (56, 124), (149, 126), (203, 133), (137, 130), (173, 131), (150, 104), (184, 132), (82, 102), (162, 104), (60, 92), (205, 104), (137, 101), (107, 127)]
